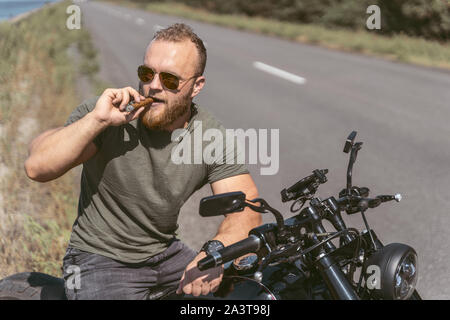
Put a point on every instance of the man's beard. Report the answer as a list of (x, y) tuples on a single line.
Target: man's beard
[(161, 120)]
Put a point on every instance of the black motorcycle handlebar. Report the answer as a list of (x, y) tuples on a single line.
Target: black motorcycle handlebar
[(354, 204), (231, 252)]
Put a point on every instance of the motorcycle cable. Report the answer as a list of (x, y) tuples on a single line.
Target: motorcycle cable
[(358, 289), (263, 208), (359, 238), (355, 259), (296, 202), (321, 243), (302, 200)]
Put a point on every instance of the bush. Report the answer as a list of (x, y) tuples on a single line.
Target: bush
[(425, 18)]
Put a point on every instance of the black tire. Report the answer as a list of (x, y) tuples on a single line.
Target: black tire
[(32, 286)]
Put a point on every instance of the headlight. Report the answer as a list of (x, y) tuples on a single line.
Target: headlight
[(396, 278), (406, 277)]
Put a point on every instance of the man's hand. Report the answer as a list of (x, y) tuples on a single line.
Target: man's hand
[(198, 282), (110, 107), (235, 227)]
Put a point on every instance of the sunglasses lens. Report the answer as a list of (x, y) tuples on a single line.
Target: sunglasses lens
[(170, 81), (145, 74)]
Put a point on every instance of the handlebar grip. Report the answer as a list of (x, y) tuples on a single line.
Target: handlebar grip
[(385, 198), (231, 252), (206, 263)]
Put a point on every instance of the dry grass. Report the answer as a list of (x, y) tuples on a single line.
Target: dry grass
[(37, 92)]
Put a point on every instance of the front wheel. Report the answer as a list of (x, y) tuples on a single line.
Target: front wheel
[(32, 286)]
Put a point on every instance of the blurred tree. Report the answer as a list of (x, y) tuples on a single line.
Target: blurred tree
[(426, 18)]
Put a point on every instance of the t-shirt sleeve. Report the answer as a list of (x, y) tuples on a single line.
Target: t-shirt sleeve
[(229, 163), (82, 110)]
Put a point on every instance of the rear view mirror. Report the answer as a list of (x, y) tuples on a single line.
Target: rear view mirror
[(349, 142), (221, 204)]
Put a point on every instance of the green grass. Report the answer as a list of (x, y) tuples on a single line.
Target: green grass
[(37, 92), (400, 48)]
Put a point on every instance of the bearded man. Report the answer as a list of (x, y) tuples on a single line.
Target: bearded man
[(124, 243)]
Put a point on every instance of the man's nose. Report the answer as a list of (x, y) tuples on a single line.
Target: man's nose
[(155, 84)]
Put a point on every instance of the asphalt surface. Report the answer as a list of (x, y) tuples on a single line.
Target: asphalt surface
[(401, 113)]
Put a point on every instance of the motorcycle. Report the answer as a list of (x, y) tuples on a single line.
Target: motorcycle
[(296, 258)]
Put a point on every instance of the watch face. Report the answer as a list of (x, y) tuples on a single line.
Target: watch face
[(213, 246)]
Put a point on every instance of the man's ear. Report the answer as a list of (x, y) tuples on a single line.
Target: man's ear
[(198, 85)]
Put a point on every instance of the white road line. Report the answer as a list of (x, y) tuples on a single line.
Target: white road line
[(157, 27), (140, 21), (278, 72)]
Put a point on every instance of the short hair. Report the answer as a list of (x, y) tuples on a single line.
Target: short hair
[(180, 32)]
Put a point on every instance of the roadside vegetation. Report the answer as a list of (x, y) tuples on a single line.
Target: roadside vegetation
[(340, 28), (38, 77)]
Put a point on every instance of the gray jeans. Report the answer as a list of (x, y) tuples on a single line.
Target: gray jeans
[(89, 276)]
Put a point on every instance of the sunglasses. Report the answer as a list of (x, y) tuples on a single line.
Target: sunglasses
[(168, 80)]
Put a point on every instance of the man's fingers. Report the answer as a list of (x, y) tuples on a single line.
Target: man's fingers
[(196, 282), (215, 284), (125, 99), (133, 95), (196, 289), (137, 113), (206, 288), (187, 289), (180, 285), (134, 114), (121, 97), (117, 98), (136, 96)]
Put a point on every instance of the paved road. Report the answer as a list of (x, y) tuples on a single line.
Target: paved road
[(401, 113)]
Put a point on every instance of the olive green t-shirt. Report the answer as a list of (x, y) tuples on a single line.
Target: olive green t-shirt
[(132, 189)]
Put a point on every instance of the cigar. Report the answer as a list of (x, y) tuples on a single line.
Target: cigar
[(136, 105)]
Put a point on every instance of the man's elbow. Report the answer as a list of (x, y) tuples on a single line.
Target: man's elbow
[(32, 171)]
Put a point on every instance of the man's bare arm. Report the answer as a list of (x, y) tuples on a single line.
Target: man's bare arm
[(236, 226), (56, 151)]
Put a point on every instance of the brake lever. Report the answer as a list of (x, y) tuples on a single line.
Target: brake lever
[(385, 198), (354, 204), (366, 203)]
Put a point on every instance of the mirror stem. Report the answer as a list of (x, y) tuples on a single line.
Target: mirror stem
[(278, 216), (353, 154)]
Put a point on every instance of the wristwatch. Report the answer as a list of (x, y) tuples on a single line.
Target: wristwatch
[(212, 246)]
